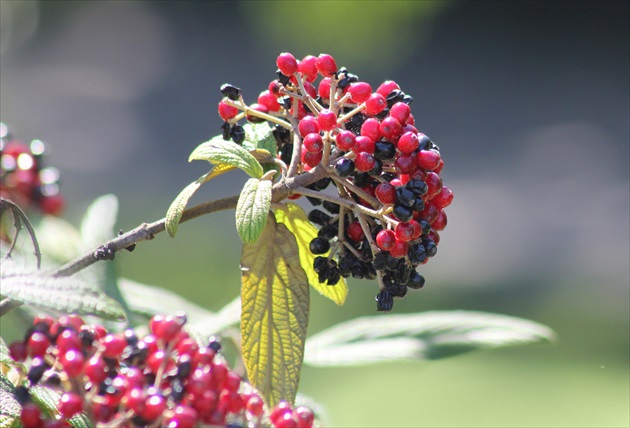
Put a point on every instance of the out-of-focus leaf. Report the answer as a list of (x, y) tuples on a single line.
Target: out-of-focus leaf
[(218, 151), (58, 239), (175, 211), (252, 209), (99, 220), (10, 408), (274, 314), (47, 399), (60, 294), (424, 336), (294, 218)]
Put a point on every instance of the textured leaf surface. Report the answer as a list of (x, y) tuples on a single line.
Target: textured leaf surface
[(47, 399), (259, 136), (424, 336), (10, 408), (252, 209), (61, 294), (294, 218), (274, 315), (219, 151), (175, 211)]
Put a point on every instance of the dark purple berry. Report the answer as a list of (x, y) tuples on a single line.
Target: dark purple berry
[(405, 197), (319, 246), (238, 134), (230, 91), (402, 212), (344, 167), (319, 217), (416, 281), (384, 301)]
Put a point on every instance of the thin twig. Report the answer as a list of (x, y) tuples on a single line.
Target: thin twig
[(20, 217)]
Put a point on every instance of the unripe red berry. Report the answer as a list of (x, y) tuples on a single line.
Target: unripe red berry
[(385, 193), (227, 112), (360, 92), (387, 87), (363, 144), (67, 340), (400, 111), (399, 250), (375, 104), (308, 68), (428, 159), (405, 164), (154, 405), (252, 117), (323, 90), (434, 184), (308, 125), (37, 344), (287, 64), (183, 416), (327, 120), (187, 346), (18, 351), (287, 420), (310, 89), (443, 199), (31, 416), (385, 239), (404, 232), (255, 406), (95, 369), (364, 162), (70, 404), (407, 143), (304, 416), (52, 204), (370, 129), (281, 409), (355, 231), (72, 362), (113, 346), (313, 143), (268, 99), (326, 65), (440, 222), (391, 129), (345, 140)]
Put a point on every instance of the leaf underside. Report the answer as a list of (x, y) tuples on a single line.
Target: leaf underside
[(218, 151), (274, 315), (252, 209)]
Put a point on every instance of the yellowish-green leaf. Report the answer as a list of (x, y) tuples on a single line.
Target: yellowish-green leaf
[(294, 218), (252, 209), (218, 151), (274, 314), (175, 211)]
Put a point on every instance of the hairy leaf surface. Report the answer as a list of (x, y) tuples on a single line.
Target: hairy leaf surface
[(274, 315), (252, 209), (175, 211), (218, 151), (47, 399), (10, 408), (424, 336), (294, 218)]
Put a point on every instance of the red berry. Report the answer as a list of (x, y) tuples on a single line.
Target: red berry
[(410, 120), (370, 129), (150, 342), (31, 416), (404, 232), (287, 64), (52, 204), (313, 143), (364, 162), (363, 144), (37, 344), (155, 361), (399, 250), (311, 159), (405, 164), (18, 351), (417, 229), (400, 111), (113, 345), (304, 416), (308, 67), (355, 231), (438, 169), (310, 89), (219, 373), (428, 159), (205, 402), (232, 382), (183, 416), (168, 328), (391, 129), (267, 99), (359, 92), (308, 125), (429, 213), (385, 193), (327, 120), (443, 199), (274, 88), (407, 143), (70, 404), (154, 405), (45, 319), (72, 362), (281, 409), (255, 406), (434, 184), (251, 117), (385, 239), (387, 87), (434, 236), (134, 399), (227, 112), (67, 340), (103, 412), (230, 401), (324, 88), (439, 223), (375, 104), (95, 369), (345, 140), (326, 65), (286, 421), (187, 346), (203, 356)]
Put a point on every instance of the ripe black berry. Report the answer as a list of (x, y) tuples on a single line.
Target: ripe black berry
[(331, 207), (284, 80), (225, 131), (328, 232), (377, 169), (320, 184), (418, 187), (230, 91), (362, 179), (319, 246), (384, 150), (424, 142), (286, 152), (416, 253), (344, 167), (430, 247), (407, 99), (238, 134), (405, 197), (319, 217), (416, 281), (394, 97), (418, 205), (282, 135), (384, 301)]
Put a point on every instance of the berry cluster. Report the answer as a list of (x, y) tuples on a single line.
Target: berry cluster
[(385, 218), (120, 380), (23, 177)]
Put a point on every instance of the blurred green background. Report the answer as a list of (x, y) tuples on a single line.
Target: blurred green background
[(528, 101)]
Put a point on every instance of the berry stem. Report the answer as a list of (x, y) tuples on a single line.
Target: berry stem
[(250, 111), (297, 149), (351, 113), (337, 200), (356, 190), (314, 105)]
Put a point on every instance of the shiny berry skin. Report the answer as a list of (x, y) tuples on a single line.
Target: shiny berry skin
[(434, 184), (113, 345), (404, 232), (443, 199), (287, 64), (370, 129), (67, 340), (255, 406), (326, 65), (355, 231), (400, 111), (37, 344), (385, 193), (364, 162), (154, 405), (407, 143), (399, 250), (345, 140), (402, 212), (440, 221), (279, 410), (344, 167), (319, 246), (384, 150), (360, 92), (428, 159), (385, 239), (363, 144), (31, 416), (387, 87), (308, 125), (70, 404), (251, 117), (287, 420), (311, 159), (227, 112), (327, 120), (72, 363), (230, 91), (95, 369), (384, 301), (405, 164), (416, 281), (304, 416), (183, 416), (18, 351), (269, 100), (308, 67), (323, 90), (313, 143), (391, 129), (375, 104)]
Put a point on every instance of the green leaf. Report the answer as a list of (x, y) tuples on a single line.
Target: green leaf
[(10, 408), (60, 294), (219, 151), (175, 211), (424, 336), (252, 209), (97, 225), (294, 218), (47, 399), (259, 136), (274, 314)]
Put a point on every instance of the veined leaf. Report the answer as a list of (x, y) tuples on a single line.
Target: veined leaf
[(424, 336), (252, 209), (175, 211), (61, 294), (10, 408), (47, 399), (261, 136), (274, 314), (294, 218), (218, 151)]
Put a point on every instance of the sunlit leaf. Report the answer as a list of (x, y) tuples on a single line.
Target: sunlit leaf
[(260, 136), (47, 400), (219, 151), (274, 315), (424, 336), (252, 209), (175, 211), (97, 225), (61, 294), (294, 218), (10, 408)]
